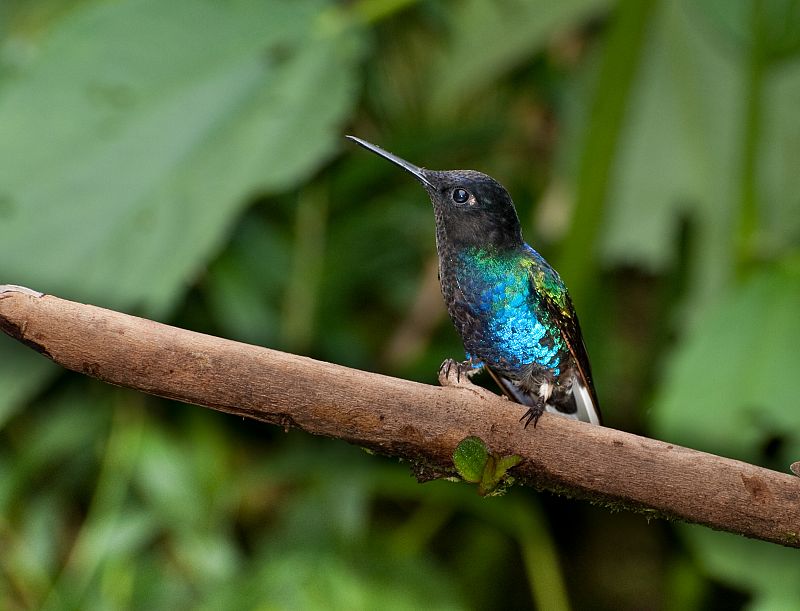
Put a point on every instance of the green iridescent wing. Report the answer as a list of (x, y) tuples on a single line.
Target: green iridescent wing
[(555, 299)]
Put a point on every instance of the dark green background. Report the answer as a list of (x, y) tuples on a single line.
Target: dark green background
[(184, 160)]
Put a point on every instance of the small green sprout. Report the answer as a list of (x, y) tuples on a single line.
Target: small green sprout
[(475, 464)]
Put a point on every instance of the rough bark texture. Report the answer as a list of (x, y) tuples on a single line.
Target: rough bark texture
[(396, 417)]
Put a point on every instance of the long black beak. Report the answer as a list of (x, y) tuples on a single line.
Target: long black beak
[(418, 172)]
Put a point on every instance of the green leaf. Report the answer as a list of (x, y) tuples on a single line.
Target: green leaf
[(780, 23), (506, 462), (621, 59), (684, 110), (130, 140), (687, 106), (769, 571), (779, 150), (242, 293), (475, 464), (495, 479), (729, 386), (470, 458), (489, 38)]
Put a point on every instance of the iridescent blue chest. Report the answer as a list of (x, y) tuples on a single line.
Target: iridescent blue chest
[(498, 313)]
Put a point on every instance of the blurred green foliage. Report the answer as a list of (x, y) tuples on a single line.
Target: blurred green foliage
[(184, 160)]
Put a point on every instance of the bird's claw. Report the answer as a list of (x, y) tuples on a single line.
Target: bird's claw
[(455, 373), (533, 414)]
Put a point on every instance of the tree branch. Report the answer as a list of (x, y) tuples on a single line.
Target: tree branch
[(418, 422)]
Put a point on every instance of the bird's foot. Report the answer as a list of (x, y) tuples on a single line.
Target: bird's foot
[(533, 413), (455, 373)]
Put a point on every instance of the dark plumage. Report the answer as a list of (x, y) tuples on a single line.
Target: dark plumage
[(509, 305)]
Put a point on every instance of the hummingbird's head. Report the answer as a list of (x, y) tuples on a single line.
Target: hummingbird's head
[(471, 208)]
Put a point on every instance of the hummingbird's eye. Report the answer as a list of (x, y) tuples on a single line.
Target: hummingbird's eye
[(460, 196)]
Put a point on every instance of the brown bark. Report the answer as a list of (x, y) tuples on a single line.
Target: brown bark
[(418, 422)]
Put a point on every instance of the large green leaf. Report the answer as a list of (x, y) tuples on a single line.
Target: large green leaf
[(725, 387), (778, 21), (683, 112), (770, 572), (729, 387), (135, 134), (778, 155), (680, 155), (487, 39), (132, 134)]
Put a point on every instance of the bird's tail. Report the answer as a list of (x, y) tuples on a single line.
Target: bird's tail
[(580, 405), (586, 409)]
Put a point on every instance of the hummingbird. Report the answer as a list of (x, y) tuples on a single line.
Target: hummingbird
[(510, 307)]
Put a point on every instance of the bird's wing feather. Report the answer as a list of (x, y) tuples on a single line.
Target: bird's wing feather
[(552, 297), (555, 299)]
